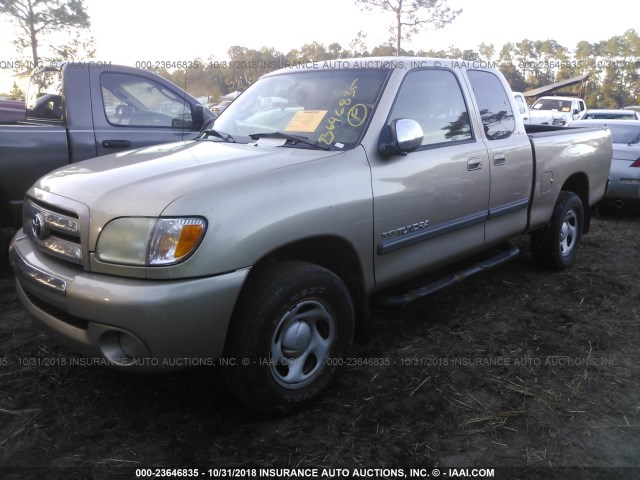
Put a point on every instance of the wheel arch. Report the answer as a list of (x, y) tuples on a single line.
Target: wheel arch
[(339, 256)]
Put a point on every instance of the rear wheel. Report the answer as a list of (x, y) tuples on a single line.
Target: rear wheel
[(293, 326), (556, 246)]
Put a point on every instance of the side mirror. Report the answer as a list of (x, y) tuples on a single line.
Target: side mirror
[(198, 117), (400, 137), (208, 124)]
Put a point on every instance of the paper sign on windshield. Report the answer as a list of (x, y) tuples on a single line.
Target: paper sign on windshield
[(305, 121)]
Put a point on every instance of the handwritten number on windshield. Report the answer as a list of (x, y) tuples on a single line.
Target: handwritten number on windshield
[(328, 137)]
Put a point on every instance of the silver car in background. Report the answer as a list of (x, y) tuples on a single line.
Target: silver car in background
[(609, 114), (625, 165)]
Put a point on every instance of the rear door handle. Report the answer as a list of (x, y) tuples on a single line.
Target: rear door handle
[(499, 159), (474, 163), (116, 143)]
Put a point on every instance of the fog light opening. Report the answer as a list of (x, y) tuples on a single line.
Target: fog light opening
[(122, 349)]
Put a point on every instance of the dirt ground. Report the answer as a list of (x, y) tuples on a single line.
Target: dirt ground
[(516, 367)]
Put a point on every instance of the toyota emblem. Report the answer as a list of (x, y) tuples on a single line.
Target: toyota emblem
[(38, 226)]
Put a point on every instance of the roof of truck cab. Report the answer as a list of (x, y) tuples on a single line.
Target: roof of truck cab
[(391, 63)]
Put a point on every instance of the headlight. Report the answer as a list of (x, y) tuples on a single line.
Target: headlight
[(173, 239), (149, 241)]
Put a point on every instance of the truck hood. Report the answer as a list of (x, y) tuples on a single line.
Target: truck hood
[(143, 182)]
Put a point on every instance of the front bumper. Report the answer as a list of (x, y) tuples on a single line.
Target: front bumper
[(132, 323)]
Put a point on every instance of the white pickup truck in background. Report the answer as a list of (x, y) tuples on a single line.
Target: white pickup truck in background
[(557, 111)]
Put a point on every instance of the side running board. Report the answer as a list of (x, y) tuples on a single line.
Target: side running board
[(400, 300)]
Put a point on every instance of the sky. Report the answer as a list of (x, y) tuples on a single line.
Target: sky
[(131, 31)]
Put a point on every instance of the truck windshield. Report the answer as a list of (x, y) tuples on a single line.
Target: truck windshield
[(329, 108), (552, 104)]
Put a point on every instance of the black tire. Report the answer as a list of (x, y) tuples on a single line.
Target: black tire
[(555, 247), (292, 327)]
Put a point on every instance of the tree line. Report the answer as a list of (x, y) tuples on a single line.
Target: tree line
[(613, 65)]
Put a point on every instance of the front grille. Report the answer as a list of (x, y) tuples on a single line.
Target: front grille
[(54, 231), (57, 313)]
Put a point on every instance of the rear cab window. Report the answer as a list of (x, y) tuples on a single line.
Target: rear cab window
[(45, 100), (497, 116)]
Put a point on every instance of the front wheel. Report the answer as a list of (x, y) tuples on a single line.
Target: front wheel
[(292, 327), (556, 246)]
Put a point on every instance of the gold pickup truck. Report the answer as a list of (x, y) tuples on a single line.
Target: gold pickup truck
[(260, 244)]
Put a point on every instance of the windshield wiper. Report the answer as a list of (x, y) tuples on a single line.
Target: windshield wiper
[(287, 136), (224, 136)]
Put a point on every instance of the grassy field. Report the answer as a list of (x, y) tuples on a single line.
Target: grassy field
[(515, 367)]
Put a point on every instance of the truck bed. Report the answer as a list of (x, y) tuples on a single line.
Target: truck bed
[(560, 161)]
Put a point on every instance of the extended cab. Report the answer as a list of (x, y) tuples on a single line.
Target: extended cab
[(77, 111), (559, 111), (262, 242)]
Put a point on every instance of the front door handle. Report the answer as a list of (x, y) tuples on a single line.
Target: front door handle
[(499, 159), (116, 143), (474, 163)]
